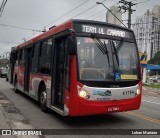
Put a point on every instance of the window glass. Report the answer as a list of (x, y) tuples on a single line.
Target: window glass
[(128, 59), (36, 50), (45, 57), (21, 57), (35, 58), (67, 73), (93, 63), (106, 60)]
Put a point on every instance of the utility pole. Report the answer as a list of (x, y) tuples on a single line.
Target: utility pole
[(127, 6), (111, 12)]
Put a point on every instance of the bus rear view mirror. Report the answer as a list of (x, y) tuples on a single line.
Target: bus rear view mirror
[(71, 46)]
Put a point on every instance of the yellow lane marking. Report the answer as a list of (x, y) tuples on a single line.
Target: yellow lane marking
[(144, 117)]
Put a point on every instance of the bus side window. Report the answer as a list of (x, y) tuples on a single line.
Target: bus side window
[(35, 58), (15, 60), (45, 56), (21, 57), (67, 72)]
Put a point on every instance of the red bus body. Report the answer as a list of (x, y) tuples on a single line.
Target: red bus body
[(73, 104)]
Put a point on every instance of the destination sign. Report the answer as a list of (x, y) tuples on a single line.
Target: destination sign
[(103, 29)]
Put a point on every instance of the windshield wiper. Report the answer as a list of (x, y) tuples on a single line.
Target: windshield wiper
[(117, 49), (115, 52), (101, 46), (120, 45)]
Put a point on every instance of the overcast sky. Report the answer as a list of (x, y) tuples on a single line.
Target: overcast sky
[(37, 14)]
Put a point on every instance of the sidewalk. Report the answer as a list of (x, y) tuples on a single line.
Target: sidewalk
[(4, 122), (12, 118), (155, 92), (4, 119)]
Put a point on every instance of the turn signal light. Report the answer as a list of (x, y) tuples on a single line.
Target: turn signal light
[(138, 91)]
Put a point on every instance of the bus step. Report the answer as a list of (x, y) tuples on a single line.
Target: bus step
[(58, 110)]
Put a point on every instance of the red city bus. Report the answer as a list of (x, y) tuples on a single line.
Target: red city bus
[(80, 68)]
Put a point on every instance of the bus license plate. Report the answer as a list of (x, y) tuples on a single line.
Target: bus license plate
[(113, 109)]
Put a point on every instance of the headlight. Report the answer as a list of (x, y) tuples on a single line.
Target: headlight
[(83, 94)]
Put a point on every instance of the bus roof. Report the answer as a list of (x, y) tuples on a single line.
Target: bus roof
[(66, 25)]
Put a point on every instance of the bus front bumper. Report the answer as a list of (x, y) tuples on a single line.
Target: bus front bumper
[(104, 107)]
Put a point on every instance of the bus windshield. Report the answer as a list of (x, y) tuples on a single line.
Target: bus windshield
[(106, 59)]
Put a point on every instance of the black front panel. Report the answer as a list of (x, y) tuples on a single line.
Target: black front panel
[(111, 84)]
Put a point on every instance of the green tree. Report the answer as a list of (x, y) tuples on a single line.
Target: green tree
[(156, 59)]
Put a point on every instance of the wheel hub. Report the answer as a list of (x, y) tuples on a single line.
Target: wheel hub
[(43, 97)]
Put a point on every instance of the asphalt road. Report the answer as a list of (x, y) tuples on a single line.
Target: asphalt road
[(147, 117)]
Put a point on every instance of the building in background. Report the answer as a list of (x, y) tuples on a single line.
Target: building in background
[(110, 18), (147, 32)]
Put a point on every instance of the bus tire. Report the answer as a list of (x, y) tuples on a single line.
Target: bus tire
[(43, 99)]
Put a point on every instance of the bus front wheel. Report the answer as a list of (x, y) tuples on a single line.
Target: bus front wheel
[(43, 99)]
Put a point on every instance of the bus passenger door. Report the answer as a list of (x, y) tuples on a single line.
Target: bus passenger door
[(28, 64), (13, 59), (58, 72)]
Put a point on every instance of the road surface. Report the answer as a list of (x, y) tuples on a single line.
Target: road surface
[(147, 117)]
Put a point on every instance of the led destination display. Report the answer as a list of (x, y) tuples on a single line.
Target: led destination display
[(104, 30)]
